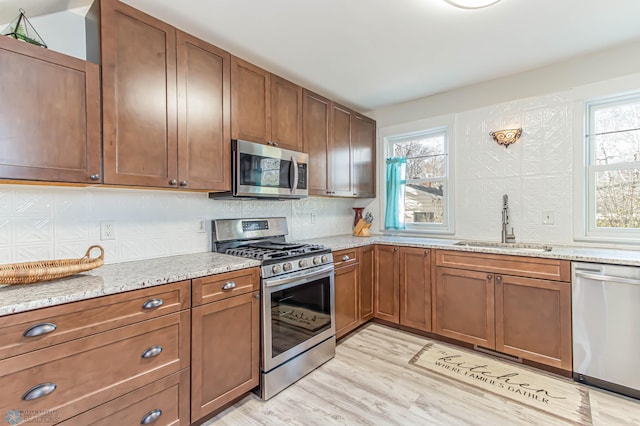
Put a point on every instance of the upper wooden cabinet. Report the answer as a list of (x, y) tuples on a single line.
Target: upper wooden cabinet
[(341, 146), (265, 108), (50, 109), (150, 136)]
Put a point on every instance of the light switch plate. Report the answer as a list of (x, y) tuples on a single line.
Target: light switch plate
[(547, 217)]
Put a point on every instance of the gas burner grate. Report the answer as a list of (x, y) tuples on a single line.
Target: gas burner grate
[(260, 252)]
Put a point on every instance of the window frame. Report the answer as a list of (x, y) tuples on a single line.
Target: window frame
[(590, 170), (397, 134)]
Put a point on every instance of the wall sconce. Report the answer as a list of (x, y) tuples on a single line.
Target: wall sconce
[(506, 137)]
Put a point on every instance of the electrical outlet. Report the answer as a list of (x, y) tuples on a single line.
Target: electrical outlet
[(202, 226), (313, 218), (107, 230), (547, 217)]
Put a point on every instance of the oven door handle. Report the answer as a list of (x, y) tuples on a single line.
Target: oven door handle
[(294, 166), (272, 282)]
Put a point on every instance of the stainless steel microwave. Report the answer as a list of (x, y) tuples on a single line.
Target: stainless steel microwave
[(263, 171)]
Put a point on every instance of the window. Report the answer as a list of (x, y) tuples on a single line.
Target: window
[(613, 167), (427, 190)]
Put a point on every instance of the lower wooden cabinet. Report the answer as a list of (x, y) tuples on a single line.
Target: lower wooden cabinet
[(533, 320), (367, 256), (387, 284), (464, 306), (346, 297), (415, 288), (165, 402), (225, 351)]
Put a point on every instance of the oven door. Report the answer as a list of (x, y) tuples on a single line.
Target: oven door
[(298, 312), (268, 171)]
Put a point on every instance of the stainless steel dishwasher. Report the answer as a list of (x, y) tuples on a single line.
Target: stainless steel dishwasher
[(606, 326)]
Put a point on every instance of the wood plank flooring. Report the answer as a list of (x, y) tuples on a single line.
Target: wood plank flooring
[(370, 382)]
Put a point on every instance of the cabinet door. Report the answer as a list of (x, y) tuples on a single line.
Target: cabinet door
[(387, 284), (367, 273), (316, 112), (415, 288), (50, 109), (138, 97), (533, 320), (339, 152), (250, 102), (204, 115), (346, 295), (363, 152), (465, 306), (225, 341), (286, 113)]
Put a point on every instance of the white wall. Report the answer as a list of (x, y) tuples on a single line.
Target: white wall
[(45, 222), (541, 172)]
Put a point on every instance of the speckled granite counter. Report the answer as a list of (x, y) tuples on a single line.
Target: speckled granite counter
[(117, 278), (580, 254)]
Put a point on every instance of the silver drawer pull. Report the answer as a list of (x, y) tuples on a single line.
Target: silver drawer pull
[(229, 285), (345, 258), (40, 329), (152, 303), (152, 351), (38, 391), (151, 417)]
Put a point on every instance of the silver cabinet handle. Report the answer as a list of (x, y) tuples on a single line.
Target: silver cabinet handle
[(426, 252), (95, 177), (40, 329), (345, 258), (151, 417), (489, 276), (152, 351), (395, 249), (173, 182), (38, 391), (498, 278), (229, 286), (183, 183), (152, 303)]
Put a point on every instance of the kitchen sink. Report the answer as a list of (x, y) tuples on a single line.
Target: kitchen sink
[(506, 246)]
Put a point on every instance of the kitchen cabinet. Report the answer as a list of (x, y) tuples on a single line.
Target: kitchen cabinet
[(367, 257), (50, 109), (415, 288), (341, 146), (346, 284), (266, 109), (387, 283), (63, 359), (403, 286), (516, 305), (166, 100), (225, 339), (316, 123)]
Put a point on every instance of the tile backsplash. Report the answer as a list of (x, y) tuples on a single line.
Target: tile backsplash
[(47, 222)]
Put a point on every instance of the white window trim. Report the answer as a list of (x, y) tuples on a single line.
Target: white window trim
[(584, 172), (387, 134)]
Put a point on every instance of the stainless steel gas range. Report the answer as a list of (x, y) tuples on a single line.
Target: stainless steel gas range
[(297, 292)]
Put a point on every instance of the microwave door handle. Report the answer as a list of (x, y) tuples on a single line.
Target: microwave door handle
[(294, 165)]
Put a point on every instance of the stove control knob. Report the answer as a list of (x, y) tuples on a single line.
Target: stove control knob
[(317, 260), (325, 258), (287, 266), (303, 263), (276, 269)]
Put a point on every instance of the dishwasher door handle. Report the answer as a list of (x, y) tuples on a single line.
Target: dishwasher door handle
[(607, 278)]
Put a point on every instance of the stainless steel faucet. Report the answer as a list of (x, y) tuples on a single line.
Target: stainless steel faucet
[(506, 238)]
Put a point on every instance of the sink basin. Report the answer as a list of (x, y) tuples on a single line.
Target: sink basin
[(507, 246)]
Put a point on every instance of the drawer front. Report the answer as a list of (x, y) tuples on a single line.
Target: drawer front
[(520, 266), (167, 400), (59, 324), (86, 372), (345, 257), (218, 287)]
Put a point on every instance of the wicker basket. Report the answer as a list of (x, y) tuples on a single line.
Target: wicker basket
[(45, 270)]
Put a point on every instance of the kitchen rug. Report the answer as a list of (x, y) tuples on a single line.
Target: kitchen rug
[(556, 396)]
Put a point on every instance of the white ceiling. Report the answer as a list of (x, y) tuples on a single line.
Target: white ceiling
[(373, 53)]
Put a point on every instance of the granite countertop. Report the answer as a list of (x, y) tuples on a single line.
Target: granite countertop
[(117, 278), (580, 254)]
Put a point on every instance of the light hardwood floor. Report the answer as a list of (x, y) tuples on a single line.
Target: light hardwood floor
[(370, 382)]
